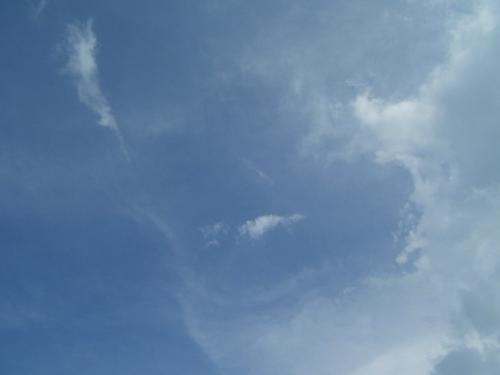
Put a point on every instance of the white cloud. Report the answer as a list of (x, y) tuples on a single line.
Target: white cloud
[(259, 226), (82, 65), (445, 137), (443, 317)]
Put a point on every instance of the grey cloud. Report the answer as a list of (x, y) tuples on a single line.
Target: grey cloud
[(468, 362)]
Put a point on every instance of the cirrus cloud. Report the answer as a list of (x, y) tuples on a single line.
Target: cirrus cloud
[(81, 44)]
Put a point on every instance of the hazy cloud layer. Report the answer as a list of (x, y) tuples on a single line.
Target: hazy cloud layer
[(442, 317), (377, 120)]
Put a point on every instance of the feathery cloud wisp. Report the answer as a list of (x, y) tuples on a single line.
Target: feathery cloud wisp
[(82, 66)]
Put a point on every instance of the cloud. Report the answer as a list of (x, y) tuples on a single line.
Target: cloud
[(259, 226), (380, 329), (38, 8), (82, 66), (444, 136), (439, 315), (469, 361), (212, 233), (262, 175)]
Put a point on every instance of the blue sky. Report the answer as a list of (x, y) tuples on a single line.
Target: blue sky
[(249, 187)]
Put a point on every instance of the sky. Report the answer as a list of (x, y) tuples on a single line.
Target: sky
[(221, 187)]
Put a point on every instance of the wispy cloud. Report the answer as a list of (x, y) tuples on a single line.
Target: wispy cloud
[(212, 233), (82, 66), (259, 226), (38, 8), (261, 174)]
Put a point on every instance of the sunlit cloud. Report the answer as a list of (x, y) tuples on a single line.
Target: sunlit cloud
[(440, 314), (259, 226)]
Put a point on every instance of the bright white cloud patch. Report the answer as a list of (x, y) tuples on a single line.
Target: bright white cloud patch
[(446, 136), (259, 226), (82, 65), (444, 317)]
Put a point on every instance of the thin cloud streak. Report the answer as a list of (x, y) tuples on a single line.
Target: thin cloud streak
[(38, 9), (263, 176), (82, 66)]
